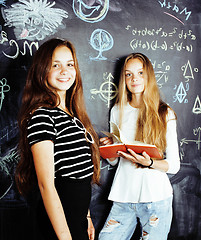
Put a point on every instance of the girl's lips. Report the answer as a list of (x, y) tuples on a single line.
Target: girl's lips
[(64, 79)]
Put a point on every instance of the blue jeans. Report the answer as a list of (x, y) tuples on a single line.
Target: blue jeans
[(155, 219)]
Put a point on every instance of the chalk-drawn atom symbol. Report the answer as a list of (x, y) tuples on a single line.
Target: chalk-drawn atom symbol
[(107, 91), (101, 41), (90, 12)]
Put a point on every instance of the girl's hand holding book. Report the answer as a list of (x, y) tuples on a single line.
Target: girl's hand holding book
[(105, 141), (142, 159)]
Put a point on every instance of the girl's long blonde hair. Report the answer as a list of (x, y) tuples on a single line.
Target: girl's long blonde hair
[(151, 123), (37, 93)]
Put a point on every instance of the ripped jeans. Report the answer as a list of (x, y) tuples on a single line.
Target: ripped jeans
[(155, 219)]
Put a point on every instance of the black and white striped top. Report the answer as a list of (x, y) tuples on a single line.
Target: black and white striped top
[(72, 156)]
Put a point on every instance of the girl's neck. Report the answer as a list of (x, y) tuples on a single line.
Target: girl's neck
[(136, 100), (62, 104)]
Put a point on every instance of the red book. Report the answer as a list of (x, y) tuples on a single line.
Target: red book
[(121, 144), (110, 151)]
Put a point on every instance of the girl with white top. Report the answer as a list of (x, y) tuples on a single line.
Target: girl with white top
[(141, 188)]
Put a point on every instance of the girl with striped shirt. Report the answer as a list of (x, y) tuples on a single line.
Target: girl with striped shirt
[(58, 145)]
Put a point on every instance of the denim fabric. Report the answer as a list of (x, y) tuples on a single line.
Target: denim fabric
[(155, 219)]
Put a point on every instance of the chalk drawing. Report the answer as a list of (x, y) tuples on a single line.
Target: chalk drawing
[(196, 132), (92, 11), (197, 106), (34, 19), (16, 50), (181, 93), (188, 71), (174, 17), (108, 166), (161, 70), (4, 87), (108, 90), (7, 133), (165, 40), (3, 2), (101, 41), (175, 9), (4, 37), (6, 164)]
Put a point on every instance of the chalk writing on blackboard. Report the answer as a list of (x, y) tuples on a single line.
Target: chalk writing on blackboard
[(161, 70), (13, 45), (101, 41), (4, 87), (161, 39), (92, 12), (108, 90), (181, 93), (164, 45), (34, 20), (175, 8), (188, 71), (196, 132), (4, 37), (162, 33), (197, 106)]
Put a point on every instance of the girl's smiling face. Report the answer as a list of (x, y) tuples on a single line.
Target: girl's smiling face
[(62, 73), (135, 76)]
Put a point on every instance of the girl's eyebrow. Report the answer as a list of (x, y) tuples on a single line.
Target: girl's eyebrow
[(139, 69), (60, 61)]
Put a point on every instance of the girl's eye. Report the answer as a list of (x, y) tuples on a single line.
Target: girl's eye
[(55, 65), (141, 73), (128, 75), (70, 65)]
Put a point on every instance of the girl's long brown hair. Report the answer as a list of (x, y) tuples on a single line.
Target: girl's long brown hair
[(38, 93), (151, 123)]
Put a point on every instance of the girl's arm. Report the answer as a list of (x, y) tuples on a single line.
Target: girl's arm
[(43, 156), (171, 163), (91, 229), (144, 160)]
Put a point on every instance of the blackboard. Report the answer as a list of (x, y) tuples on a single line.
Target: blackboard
[(104, 32)]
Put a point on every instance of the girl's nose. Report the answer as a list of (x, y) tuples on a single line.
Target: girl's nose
[(134, 79), (64, 70)]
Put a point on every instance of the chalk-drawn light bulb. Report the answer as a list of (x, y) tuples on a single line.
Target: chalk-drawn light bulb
[(101, 41)]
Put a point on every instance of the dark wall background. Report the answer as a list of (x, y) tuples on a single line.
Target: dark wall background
[(103, 32)]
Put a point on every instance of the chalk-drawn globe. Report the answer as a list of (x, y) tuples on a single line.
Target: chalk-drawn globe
[(101, 40)]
